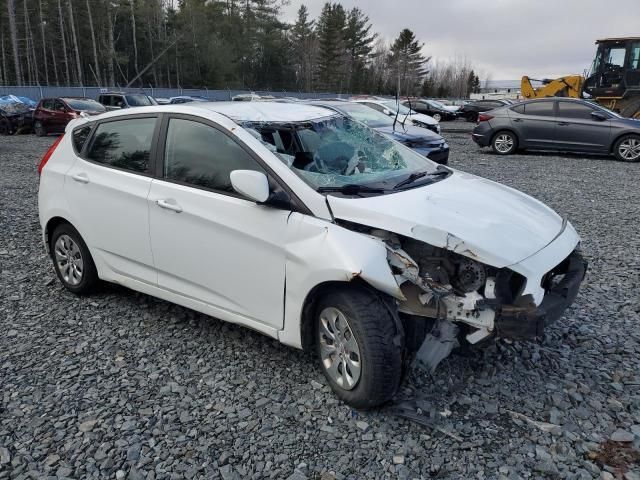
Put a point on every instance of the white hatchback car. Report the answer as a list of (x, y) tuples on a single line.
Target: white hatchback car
[(307, 226)]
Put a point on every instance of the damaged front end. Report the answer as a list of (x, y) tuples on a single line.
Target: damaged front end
[(459, 294)]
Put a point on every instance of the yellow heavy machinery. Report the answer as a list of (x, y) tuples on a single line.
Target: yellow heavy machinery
[(613, 81)]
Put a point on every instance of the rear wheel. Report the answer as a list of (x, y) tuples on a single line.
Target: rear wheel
[(437, 117), (39, 129), (504, 143), (72, 261), (627, 148), (355, 342)]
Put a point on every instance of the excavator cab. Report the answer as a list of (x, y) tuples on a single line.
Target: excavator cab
[(615, 73)]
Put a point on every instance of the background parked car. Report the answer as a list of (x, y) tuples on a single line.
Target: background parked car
[(16, 115), (187, 99), (118, 100), (559, 124), (448, 104), (471, 110), (53, 114), (391, 109), (423, 141), (432, 108)]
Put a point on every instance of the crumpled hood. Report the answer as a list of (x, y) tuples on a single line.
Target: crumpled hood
[(475, 217)]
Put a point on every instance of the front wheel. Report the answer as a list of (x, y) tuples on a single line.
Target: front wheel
[(355, 334), (504, 143), (627, 148), (39, 129)]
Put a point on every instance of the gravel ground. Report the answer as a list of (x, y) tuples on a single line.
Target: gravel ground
[(121, 385)]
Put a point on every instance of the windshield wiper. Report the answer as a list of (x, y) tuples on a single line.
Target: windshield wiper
[(351, 189), (417, 175)]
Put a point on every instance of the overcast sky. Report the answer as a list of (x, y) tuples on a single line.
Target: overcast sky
[(503, 38)]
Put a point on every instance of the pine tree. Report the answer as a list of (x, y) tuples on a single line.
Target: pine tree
[(331, 57), (408, 62), (359, 43), (304, 48)]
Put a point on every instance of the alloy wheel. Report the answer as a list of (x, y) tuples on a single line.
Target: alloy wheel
[(69, 260), (339, 350), (629, 149), (437, 117), (503, 143)]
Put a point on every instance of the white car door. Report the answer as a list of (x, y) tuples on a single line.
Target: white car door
[(210, 244), (107, 189)]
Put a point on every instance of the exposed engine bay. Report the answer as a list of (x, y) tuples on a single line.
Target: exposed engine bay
[(445, 285), (449, 289)]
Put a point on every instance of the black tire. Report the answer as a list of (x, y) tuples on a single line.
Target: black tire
[(624, 147), (39, 129), (471, 116), (374, 330), (632, 109), (504, 142), (5, 127), (88, 280)]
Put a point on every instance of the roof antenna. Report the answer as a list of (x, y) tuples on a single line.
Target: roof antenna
[(395, 119), (408, 112)]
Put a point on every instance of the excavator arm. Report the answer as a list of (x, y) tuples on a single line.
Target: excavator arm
[(569, 86)]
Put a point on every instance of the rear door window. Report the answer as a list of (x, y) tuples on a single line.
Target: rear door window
[(539, 109), (574, 110), (79, 137), (124, 144)]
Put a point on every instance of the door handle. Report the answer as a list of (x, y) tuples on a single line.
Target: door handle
[(80, 177), (518, 120), (174, 207), (563, 124)]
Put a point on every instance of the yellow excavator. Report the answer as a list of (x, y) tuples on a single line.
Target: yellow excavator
[(613, 81)]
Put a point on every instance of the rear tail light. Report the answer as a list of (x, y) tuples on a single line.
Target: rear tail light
[(484, 117), (47, 155)]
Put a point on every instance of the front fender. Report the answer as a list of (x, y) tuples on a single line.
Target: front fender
[(318, 252)]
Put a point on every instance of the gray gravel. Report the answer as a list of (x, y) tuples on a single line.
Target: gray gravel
[(121, 385)]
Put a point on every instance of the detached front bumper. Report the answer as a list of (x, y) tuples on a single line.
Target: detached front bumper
[(527, 322)]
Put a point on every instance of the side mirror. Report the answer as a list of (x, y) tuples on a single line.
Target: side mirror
[(599, 116), (387, 112), (253, 185)]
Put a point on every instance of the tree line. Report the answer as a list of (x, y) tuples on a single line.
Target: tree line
[(235, 44)]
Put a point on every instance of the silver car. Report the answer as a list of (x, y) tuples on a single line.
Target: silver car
[(562, 124)]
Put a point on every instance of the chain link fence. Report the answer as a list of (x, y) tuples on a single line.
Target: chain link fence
[(37, 92)]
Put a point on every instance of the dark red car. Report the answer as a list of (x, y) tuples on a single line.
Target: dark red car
[(53, 114)]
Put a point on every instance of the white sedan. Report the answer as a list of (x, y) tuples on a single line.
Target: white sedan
[(308, 227)]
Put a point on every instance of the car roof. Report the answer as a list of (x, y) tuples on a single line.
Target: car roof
[(238, 111), (267, 111)]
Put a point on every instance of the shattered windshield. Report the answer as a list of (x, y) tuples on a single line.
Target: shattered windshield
[(336, 151)]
